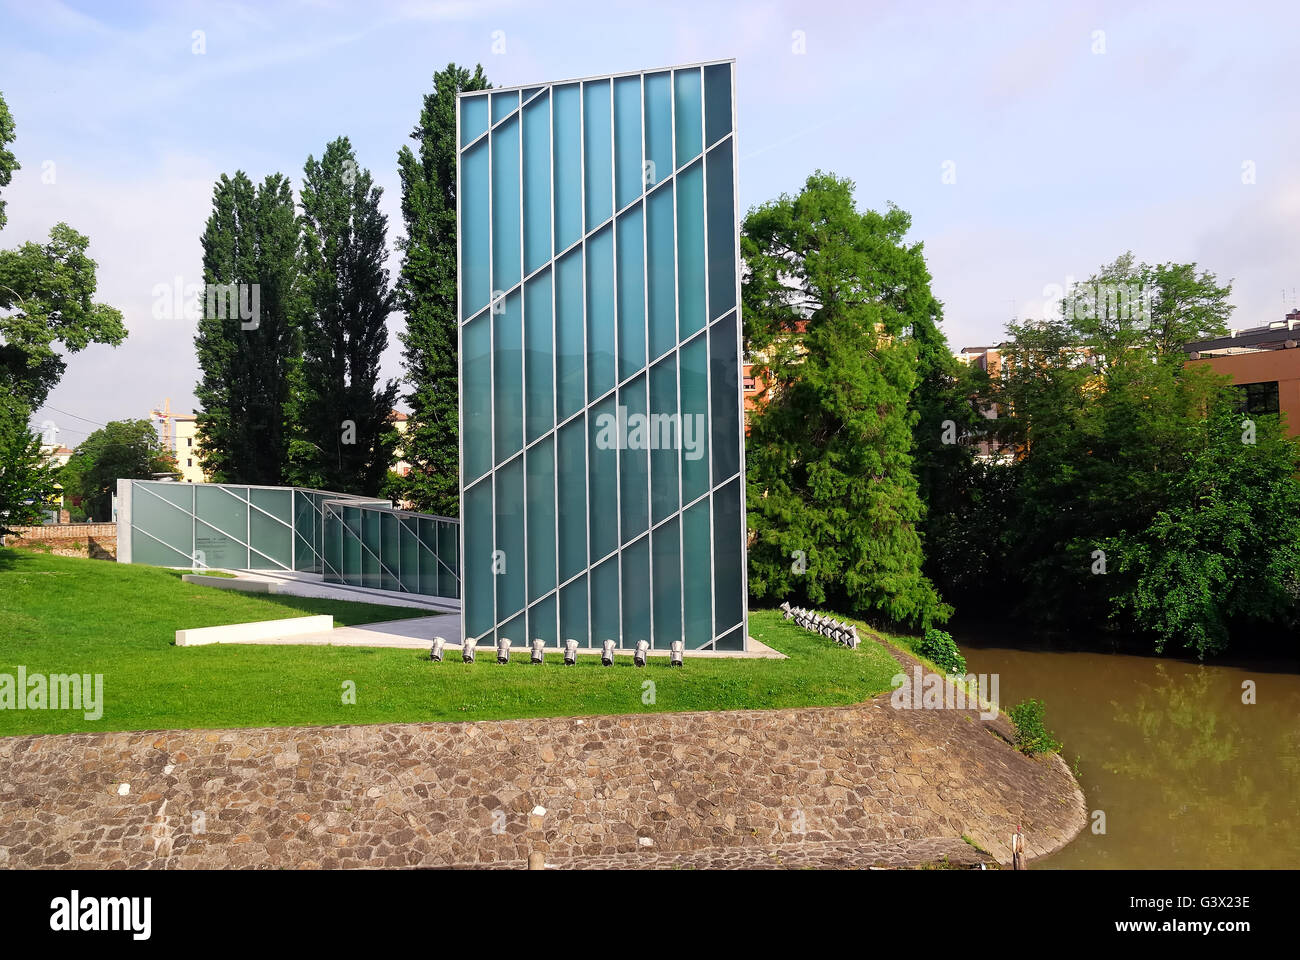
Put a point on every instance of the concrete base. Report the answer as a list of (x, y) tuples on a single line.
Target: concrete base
[(265, 631), (229, 583)]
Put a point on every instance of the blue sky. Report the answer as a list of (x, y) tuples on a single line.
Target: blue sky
[(1075, 131)]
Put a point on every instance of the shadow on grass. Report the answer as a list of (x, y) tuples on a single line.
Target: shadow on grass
[(11, 558)]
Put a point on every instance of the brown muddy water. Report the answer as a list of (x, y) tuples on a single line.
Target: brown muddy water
[(1187, 775)]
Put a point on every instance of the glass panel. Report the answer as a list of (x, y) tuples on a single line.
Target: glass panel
[(666, 585), (694, 381), (631, 294), (370, 576), (218, 549), (449, 558), (573, 612), (516, 630), (332, 544), (661, 270), (539, 408), (717, 102), (529, 92), (602, 477), (475, 237), (410, 560), (351, 569), (724, 385), (508, 377), (604, 603), (478, 603), (686, 91), (390, 550), (537, 184), (690, 250), (541, 518), (510, 539), (473, 118), (735, 640), (728, 579), (572, 490), (144, 549), (566, 124), (570, 346), (505, 206), (722, 232), (636, 592), (165, 522), (665, 439), (600, 313), (278, 503), (429, 567), (271, 539), (597, 134), (541, 622), (503, 104), (627, 140), (177, 494), (634, 464), (476, 395), (658, 128), (696, 578)]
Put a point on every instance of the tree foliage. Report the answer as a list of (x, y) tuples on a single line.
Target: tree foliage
[(26, 479), (120, 450), (830, 298)]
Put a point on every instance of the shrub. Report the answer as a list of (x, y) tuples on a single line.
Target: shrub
[(1032, 735), (939, 647)]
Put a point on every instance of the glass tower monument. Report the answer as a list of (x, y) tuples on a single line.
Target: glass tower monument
[(602, 458)]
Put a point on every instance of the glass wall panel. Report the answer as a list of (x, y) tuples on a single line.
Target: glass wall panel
[(370, 534), (666, 583), (503, 104), (448, 558), (722, 239), (597, 140), (602, 477), (690, 251), (724, 379), (410, 560), (506, 238), (145, 549), (573, 612), (541, 517), (717, 103), (479, 608), (570, 338), (332, 542), (475, 235), (661, 271), (430, 569), (539, 406), (658, 128), (604, 603), (572, 488), (689, 122), (508, 376), (473, 118), (276, 502), (600, 313), (476, 395), (567, 126), (631, 293), (541, 622), (537, 183), (627, 140), (696, 576), (636, 593), (693, 371), (735, 640), (352, 546), (634, 462), (665, 439), (728, 558), (516, 630), (271, 540), (390, 551), (510, 558)]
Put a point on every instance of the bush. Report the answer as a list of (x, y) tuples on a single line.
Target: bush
[(939, 647), (1032, 735)]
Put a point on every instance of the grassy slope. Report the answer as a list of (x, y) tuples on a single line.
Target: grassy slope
[(60, 615)]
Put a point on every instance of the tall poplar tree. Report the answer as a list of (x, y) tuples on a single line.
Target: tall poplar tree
[(251, 241), (830, 297), (344, 436), (426, 292)]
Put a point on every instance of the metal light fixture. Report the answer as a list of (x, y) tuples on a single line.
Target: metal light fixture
[(607, 653), (435, 652), (675, 654), (503, 650), (638, 655), (539, 648), (570, 652), (467, 651)]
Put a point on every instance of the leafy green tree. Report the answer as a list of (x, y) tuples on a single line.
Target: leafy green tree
[(26, 479), (344, 437), (119, 450), (426, 292), (830, 297), (251, 247), (46, 299)]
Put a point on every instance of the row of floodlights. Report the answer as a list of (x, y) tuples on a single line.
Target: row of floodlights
[(570, 652), (845, 633)]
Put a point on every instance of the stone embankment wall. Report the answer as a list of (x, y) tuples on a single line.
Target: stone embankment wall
[(97, 541)]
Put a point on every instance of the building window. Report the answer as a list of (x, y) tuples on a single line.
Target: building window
[(189, 462), (189, 441), (1258, 398), (749, 385)]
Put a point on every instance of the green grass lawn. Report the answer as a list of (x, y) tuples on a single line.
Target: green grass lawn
[(65, 615)]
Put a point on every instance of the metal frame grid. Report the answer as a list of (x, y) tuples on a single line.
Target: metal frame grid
[(587, 232), (332, 511)]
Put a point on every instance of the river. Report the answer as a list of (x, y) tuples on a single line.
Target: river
[(1186, 774)]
